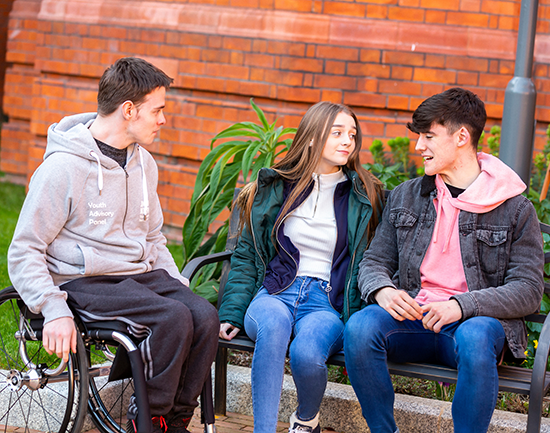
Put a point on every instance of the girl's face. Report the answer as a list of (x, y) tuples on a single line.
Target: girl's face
[(339, 146)]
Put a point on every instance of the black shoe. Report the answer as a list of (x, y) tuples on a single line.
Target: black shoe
[(179, 424), (159, 425)]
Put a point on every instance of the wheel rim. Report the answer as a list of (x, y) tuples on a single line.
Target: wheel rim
[(28, 398)]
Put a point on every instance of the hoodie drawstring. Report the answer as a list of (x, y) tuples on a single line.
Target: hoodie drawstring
[(144, 210), (99, 171), (439, 216)]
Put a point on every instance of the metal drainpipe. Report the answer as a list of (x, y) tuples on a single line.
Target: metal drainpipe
[(518, 119)]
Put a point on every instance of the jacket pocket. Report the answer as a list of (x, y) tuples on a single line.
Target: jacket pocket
[(491, 247), (403, 220)]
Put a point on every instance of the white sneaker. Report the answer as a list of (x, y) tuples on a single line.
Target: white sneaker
[(299, 426)]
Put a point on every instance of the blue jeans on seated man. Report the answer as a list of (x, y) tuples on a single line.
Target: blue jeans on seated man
[(304, 314), (473, 346)]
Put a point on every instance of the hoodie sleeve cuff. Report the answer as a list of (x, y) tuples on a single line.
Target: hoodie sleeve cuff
[(55, 308)]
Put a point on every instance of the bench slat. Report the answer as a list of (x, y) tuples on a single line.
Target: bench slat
[(511, 378)]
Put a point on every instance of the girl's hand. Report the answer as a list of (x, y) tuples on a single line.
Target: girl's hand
[(228, 331)]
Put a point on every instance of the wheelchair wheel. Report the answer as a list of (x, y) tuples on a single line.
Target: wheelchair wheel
[(108, 401), (36, 392)]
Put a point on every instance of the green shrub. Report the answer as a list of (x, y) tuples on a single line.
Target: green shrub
[(396, 167), (246, 147)]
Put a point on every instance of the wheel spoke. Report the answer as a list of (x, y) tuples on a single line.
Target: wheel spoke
[(36, 403)]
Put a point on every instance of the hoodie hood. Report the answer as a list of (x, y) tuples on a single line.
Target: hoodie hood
[(495, 184), (72, 135)]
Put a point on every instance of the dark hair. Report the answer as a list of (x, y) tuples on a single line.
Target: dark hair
[(453, 109), (300, 161), (128, 79)]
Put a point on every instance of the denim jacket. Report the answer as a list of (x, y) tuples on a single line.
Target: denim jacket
[(255, 249), (501, 252)]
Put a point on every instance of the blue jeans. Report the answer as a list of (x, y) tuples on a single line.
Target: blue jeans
[(302, 313), (372, 335)]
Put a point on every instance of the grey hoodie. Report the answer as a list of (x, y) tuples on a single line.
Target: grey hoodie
[(85, 215)]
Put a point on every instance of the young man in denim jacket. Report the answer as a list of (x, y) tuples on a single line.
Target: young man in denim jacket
[(456, 261)]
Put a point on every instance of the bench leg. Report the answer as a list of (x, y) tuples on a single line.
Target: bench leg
[(207, 407), (536, 393), (220, 383)]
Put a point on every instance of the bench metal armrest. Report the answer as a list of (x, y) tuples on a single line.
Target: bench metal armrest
[(191, 269)]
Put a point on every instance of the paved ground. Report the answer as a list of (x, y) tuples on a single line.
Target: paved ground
[(232, 423)]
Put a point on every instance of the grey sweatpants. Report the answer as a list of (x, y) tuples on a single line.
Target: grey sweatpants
[(179, 330)]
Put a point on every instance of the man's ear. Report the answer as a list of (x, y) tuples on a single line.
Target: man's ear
[(128, 110), (463, 136)]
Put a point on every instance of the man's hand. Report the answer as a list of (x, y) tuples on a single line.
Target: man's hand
[(398, 303), (228, 327), (439, 314), (59, 336)]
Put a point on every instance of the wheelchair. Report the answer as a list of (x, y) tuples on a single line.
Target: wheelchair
[(41, 392)]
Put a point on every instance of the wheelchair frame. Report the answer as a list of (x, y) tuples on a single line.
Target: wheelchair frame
[(41, 392)]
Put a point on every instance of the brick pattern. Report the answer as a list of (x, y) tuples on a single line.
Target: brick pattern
[(382, 57), (5, 8)]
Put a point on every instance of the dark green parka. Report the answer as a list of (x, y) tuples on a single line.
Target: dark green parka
[(255, 248)]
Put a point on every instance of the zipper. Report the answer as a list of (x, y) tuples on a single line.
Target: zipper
[(283, 248), (318, 193), (126, 214), (331, 263)]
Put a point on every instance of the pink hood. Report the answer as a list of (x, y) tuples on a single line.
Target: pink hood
[(495, 184), (442, 272)]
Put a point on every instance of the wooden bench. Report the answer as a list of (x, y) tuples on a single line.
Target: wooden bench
[(534, 383)]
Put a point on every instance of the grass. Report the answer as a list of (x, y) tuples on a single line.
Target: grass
[(11, 199)]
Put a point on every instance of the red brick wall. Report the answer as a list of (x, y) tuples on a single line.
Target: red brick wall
[(5, 7), (382, 57)]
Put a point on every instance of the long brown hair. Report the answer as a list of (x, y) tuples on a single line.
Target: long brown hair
[(304, 155)]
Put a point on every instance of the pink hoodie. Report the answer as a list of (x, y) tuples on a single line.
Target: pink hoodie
[(442, 272)]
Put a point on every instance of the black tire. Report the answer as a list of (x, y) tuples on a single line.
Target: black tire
[(108, 401), (49, 404)]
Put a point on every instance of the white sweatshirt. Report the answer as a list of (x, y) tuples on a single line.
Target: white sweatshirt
[(312, 227)]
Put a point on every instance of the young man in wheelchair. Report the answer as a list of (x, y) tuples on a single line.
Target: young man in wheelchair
[(90, 231)]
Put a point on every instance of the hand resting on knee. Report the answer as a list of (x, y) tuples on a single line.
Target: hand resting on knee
[(228, 331)]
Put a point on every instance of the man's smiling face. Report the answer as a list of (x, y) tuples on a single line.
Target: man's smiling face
[(438, 149)]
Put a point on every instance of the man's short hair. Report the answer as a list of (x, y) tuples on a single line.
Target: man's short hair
[(128, 79), (453, 109)]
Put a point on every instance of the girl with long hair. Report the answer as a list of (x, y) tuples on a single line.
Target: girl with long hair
[(293, 280)]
